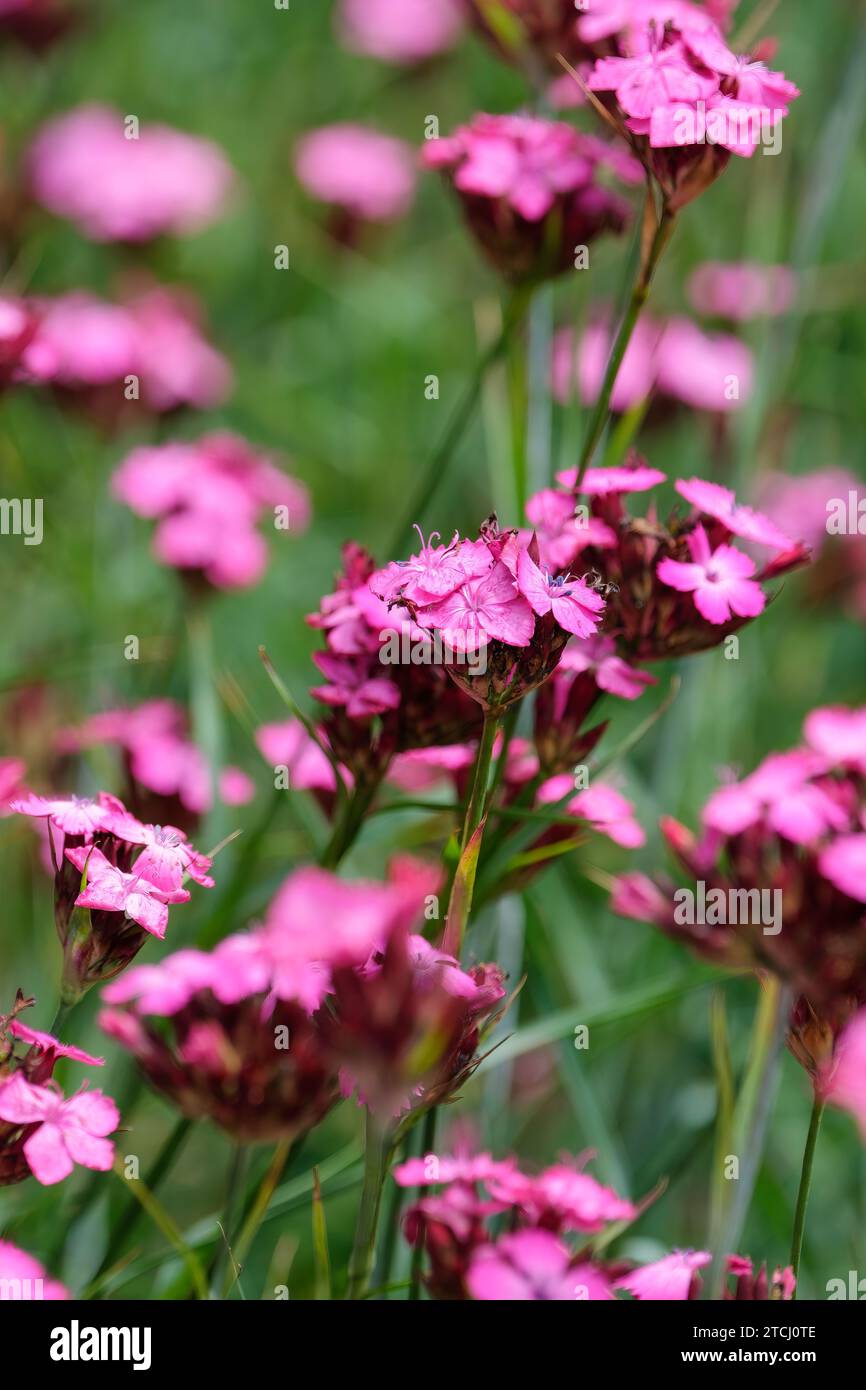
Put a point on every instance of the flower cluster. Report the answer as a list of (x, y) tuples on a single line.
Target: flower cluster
[(502, 618), (399, 31), (370, 177), (679, 586), (530, 190), (149, 348), (41, 1131), (377, 667), (333, 992), (671, 358), (208, 499), (167, 774), (115, 878), (117, 182), (538, 1255), (794, 832), (685, 101)]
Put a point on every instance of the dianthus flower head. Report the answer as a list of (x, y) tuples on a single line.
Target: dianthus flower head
[(530, 190), (114, 880), (780, 870)]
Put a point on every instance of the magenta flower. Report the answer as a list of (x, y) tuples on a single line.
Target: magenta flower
[(573, 604), (533, 1265), (529, 190), (65, 1132), (85, 166), (721, 580), (369, 175), (111, 890), (676, 1278), (484, 609), (742, 290), (597, 655), (780, 869), (23, 1278), (843, 1078), (399, 31), (208, 499)]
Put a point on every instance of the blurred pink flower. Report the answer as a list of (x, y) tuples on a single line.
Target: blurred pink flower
[(66, 1131), (399, 31), (83, 166), (674, 357), (741, 291), (209, 497), (843, 1079), (671, 1278), (532, 1265), (236, 787), (370, 175), (12, 772), (23, 1278), (613, 675), (603, 807)]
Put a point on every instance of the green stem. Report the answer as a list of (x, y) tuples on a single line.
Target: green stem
[(480, 777), (231, 1213), (64, 1009), (805, 1184), (349, 822), (428, 1145), (518, 407), (433, 472), (637, 300), (751, 1120), (205, 709), (364, 1249), (134, 1213)]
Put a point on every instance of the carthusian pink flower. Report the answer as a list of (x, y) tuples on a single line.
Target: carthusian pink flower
[(530, 190), (40, 1131), (117, 183), (24, 1279), (533, 1265), (721, 580), (779, 866), (208, 499), (368, 175), (399, 31)]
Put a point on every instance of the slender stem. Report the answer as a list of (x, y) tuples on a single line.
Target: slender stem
[(428, 1145), (205, 707), (349, 822), (231, 1212), (364, 1249), (134, 1213), (805, 1184), (64, 1009), (751, 1120), (518, 407), (637, 300), (434, 470), (480, 777)]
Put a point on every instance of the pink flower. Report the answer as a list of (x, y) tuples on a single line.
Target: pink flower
[(843, 863), (603, 807), (843, 1080), (529, 189), (742, 291), (371, 175), (12, 772), (562, 1198), (532, 1265), (236, 787), (399, 31), (839, 734), (720, 503), (604, 482), (23, 1278), (289, 745), (720, 580), (573, 604), (47, 1043), (167, 855), (655, 79), (668, 1279), (74, 815), (208, 498), (705, 371), (111, 890), (85, 166), (613, 675), (780, 790), (68, 1131), (482, 609)]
